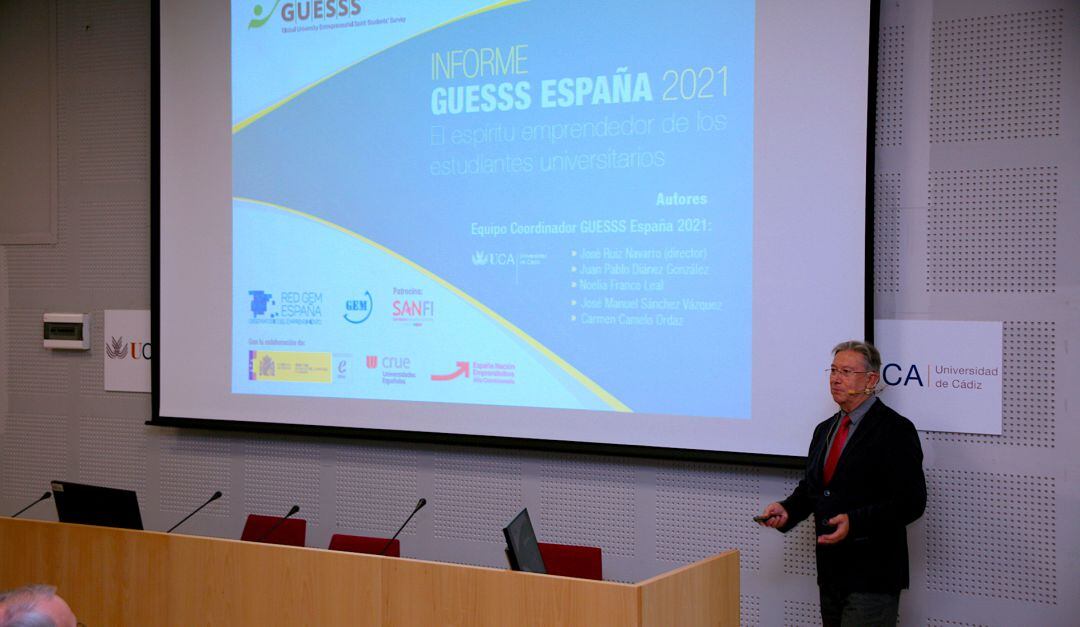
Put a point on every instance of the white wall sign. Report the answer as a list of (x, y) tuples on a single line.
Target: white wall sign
[(127, 350), (942, 375)]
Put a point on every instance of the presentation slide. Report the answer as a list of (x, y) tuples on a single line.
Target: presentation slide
[(620, 223), (458, 202)]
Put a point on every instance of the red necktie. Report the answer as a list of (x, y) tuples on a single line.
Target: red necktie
[(837, 446)]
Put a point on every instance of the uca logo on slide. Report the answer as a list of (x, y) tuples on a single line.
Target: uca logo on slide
[(488, 258)]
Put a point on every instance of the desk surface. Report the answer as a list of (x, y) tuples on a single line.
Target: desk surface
[(119, 577)]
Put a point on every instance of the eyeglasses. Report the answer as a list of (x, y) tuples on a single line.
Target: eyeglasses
[(844, 372)]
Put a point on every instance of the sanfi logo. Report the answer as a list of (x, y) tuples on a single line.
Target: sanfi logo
[(305, 11)]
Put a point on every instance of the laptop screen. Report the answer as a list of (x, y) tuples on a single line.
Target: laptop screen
[(522, 547), (96, 505)]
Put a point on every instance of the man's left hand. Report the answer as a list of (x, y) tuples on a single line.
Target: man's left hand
[(842, 527)]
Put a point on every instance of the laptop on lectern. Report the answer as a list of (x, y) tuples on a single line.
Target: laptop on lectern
[(521, 545), (96, 505)]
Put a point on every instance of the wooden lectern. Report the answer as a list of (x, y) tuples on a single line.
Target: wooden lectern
[(119, 577)]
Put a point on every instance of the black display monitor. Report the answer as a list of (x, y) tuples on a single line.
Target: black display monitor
[(96, 505), (521, 545)]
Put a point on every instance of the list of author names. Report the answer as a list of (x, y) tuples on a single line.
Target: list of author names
[(632, 286)]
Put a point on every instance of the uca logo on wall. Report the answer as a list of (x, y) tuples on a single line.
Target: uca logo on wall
[(117, 348), (944, 375), (128, 351)]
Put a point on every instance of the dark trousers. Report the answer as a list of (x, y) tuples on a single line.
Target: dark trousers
[(858, 609)]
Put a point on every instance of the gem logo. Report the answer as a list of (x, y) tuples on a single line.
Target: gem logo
[(358, 311)]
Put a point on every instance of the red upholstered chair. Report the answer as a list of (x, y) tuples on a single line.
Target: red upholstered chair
[(364, 544), (584, 562), (292, 532)]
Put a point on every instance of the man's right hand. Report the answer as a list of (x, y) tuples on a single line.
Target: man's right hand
[(777, 516)]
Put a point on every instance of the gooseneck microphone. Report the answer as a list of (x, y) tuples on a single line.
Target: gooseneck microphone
[(266, 534), (217, 495), (419, 504), (43, 497)]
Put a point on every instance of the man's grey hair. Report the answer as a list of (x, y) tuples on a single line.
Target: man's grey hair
[(19, 606), (869, 353)]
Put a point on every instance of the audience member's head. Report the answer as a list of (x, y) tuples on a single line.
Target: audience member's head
[(34, 606)]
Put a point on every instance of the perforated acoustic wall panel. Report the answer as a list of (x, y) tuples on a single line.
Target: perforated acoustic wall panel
[(993, 230), (108, 116), (114, 247), (34, 446), (997, 77), (750, 610), (702, 509), (589, 502), (376, 488), (111, 452), (801, 614), (799, 543), (887, 245), (992, 535), (92, 373), (65, 167), (279, 474), (193, 468), (976, 218), (31, 369), (37, 267), (104, 34), (889, 112), (476, 494)]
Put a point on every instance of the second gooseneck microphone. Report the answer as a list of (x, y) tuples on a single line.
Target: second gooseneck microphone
[(419, 504), (41, 498), (266, 534), (216, 496)]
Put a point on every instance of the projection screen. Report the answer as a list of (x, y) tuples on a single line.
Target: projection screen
[(618, 223)]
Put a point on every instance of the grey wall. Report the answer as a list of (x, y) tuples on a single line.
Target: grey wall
[(977, 212)]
